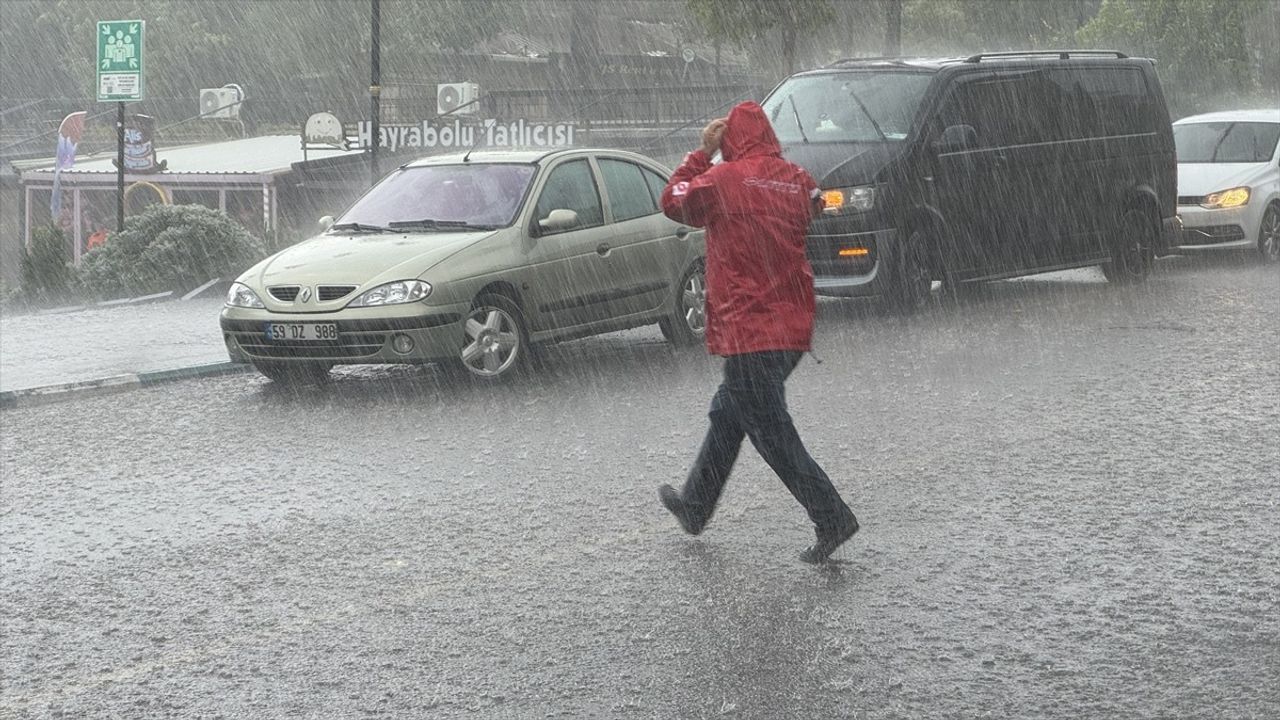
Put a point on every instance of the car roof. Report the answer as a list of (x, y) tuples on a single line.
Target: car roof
[(1267, 115), (528, 156)]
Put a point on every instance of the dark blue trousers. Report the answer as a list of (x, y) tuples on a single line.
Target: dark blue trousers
[(751, 402)]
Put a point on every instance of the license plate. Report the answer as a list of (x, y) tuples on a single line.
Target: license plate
[(304, 332)]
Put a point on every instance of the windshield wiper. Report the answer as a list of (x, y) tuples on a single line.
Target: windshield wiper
[(867, 112), (799, 125), (430, 224), (359, 227)]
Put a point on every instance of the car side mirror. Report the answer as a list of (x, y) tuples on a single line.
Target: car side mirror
[(558, 220), (325, 223), (957, 138)]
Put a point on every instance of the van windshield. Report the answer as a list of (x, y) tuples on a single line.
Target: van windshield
[(1226, 142), (861, 106)]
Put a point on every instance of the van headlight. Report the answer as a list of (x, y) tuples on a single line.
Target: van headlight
[(844, 200), (393, 293), (239, 295), (1235, 197)]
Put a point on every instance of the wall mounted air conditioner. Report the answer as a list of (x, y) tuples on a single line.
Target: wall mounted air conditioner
[(452, 97), (220, 103)]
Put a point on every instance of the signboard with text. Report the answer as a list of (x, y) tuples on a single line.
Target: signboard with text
[(119, 60)]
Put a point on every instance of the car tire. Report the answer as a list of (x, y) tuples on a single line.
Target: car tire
[(294, 373), (495, 339), (1132, 251), (1269, 235), (910, 281), (686, 326)]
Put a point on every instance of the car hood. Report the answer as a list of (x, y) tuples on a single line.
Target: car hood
[(1198, 179), (843, 164), (360, 259)]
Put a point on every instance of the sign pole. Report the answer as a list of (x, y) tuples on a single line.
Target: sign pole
[(375, 87), (120, 166)]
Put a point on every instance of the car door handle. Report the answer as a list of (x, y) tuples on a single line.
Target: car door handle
[(682, 232), (602, 249)]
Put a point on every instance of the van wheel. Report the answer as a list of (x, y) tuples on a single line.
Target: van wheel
[(1131, 251), (294, 373), (1269, 235), (496, 342), (687, 325), (910, 281)]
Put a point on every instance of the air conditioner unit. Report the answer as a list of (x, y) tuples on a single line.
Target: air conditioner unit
[(451, 97), (219, 103)]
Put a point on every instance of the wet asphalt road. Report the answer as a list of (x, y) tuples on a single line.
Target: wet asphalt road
[(1069, 496)]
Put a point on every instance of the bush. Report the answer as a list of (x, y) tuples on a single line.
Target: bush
[(169, 247), (47, 274)]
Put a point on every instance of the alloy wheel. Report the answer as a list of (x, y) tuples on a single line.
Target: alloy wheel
[(493, 342), (693, 302), (1269, 235)]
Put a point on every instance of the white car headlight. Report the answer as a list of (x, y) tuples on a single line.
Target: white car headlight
[(393, 293), (854, 199), (1235, 197), (239, 295)]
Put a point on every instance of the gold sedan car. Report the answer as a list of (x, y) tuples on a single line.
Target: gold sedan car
[(471, 260)]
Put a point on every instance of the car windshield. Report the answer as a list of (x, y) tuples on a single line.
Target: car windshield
[(857, 106), (1226, 142), (443, 197)]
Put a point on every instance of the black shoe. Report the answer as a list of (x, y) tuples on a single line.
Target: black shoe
[(672, 501), (828, 541)]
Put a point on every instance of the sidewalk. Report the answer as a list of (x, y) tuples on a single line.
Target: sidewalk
[(103, 342)]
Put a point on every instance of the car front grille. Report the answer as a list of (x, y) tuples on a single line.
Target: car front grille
[(284, 293), (325, 293)]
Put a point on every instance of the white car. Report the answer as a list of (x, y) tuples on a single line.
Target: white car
[(1229, 181)]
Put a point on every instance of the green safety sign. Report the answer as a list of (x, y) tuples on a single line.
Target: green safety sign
[(120, 60)]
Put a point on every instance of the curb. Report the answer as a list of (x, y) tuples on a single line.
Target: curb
[(45, 394)]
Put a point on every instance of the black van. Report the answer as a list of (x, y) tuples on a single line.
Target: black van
[(980, 168)]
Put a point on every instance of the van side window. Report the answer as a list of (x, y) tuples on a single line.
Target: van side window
[(1002, 109), (1104, 101)]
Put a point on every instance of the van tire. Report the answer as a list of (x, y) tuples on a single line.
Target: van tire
[(910, 281), (1132, 249)]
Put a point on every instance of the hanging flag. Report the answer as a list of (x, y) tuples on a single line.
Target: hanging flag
[(69, 133)]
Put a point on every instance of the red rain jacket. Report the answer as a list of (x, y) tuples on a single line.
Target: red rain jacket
[(756, 208)]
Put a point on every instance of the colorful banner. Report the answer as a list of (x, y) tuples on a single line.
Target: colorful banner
[(69, 134)]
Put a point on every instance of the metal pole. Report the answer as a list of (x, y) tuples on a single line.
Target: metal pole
[(120, 167), (375, 90)]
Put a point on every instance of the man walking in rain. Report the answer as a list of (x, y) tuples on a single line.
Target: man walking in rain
[(756, 208)]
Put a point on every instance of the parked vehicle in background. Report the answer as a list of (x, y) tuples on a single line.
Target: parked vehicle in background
[(470, 260), (1229, 182), (992, 166)]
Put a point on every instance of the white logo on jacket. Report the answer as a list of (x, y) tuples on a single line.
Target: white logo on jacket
[(680, 188), (774, 185)]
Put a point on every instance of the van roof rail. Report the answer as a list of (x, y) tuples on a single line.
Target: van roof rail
[(879, 58), (1062, 54)]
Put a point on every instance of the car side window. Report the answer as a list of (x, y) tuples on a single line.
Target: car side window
[(571, 186), (656, 184), (629, 195)]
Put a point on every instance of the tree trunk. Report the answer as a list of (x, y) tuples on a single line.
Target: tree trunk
[(893, 28)]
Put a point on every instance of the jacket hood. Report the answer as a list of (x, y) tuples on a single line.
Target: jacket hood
[(748, 134)]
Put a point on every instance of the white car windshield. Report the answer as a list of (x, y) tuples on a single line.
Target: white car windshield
[(443, 197), (859, 106), (1226, 142)]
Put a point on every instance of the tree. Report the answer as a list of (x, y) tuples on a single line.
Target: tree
[(750, 21)]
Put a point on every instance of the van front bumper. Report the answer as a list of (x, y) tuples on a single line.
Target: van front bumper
[(849, 264)]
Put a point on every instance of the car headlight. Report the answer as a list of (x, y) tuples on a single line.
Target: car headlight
[(1235, 197), (239, 295), (393, 293), (854, 199)]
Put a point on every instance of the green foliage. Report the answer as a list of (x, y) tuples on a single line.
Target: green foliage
[(46, 273), (169, 247), (751, 21), (1201, 46)]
